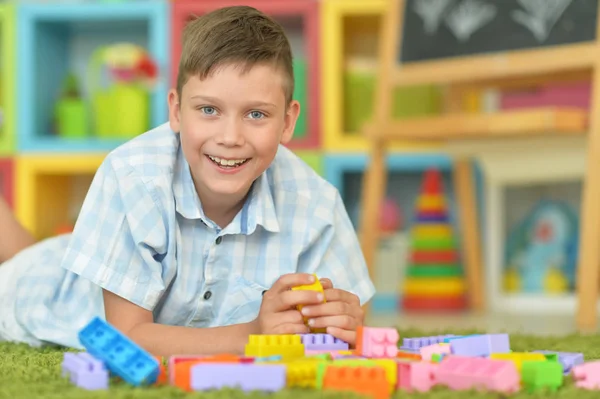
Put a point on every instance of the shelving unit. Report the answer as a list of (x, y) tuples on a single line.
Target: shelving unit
[(314, 159), (51, 188), (7, 180), (352, 30), (300, 19), (7, 78), (56, 40)]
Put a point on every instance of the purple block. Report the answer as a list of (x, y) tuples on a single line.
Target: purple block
[(247, 377), (85, 371), (480, 345), (414, 344), (567, 359), (321, 342)]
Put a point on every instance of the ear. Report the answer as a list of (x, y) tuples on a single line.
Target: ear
[(291, 117), (174, 111)]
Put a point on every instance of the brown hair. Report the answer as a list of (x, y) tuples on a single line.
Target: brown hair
[(241, 35)]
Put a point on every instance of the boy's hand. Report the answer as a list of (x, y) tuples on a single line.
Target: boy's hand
[(341, 315), (278, 313)]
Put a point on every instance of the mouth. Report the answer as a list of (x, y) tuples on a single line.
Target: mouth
[(228, 163)]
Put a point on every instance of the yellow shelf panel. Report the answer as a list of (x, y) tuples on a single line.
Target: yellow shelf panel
[(50, 188)]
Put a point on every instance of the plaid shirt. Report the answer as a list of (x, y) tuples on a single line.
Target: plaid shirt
[(142, 234)]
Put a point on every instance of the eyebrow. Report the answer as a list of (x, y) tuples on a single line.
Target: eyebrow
[(216, 100)]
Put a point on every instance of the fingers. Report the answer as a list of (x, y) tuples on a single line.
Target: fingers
[(335, 295), (329, 309), (344, 322), (289, 322), (345, 335), (326, 283), (279, 302), (288, 281)]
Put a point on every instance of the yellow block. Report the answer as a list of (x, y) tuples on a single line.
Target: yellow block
[(302, 373), (316, 286), (288, 346), (518, 357), (431, 202), (432, 231), (449, 286)]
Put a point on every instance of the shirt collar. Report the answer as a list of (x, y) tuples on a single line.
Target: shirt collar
[(259, 208)]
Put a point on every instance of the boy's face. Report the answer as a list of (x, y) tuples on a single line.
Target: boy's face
[(230, 126)]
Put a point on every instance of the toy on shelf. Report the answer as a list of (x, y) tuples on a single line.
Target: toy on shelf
[(434, 278), (379, 367), (71, 110), (541, 252), (122, 110)]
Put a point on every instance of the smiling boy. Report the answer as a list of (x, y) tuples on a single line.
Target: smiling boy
[(192, 234)]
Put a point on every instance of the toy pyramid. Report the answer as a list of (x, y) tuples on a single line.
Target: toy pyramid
[(434, 278)]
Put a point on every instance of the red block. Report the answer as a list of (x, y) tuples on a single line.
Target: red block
[(432, 182), (433, 303), (7, 181), (184, 10), (434, 257)]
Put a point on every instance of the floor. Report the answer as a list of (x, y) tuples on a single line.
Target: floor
[(499, 323)]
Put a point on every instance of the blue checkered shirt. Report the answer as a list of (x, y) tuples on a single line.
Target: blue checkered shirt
[(142, 234)]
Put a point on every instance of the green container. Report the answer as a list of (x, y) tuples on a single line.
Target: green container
[(300, 95), (121, 111), (359, 96), (72, 118)]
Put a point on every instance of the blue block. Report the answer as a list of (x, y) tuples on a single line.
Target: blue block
[(121, 355), (431, 219)]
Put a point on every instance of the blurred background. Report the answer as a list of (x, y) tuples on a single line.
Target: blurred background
[(66, 66)]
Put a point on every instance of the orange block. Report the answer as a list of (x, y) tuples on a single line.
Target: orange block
[(363, 380), (163, 377), (180, 372)]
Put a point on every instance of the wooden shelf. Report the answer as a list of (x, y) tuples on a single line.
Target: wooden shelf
[(525, 123)]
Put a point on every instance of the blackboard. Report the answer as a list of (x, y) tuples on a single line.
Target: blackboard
[(436, 29)]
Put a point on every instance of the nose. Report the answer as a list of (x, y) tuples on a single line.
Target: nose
[(231, 133)]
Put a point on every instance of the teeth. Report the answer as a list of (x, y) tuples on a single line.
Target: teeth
[(227, 162)]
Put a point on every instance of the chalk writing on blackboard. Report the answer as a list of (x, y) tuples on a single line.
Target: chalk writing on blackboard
[(540, 16), (432, 12), (468, 17)]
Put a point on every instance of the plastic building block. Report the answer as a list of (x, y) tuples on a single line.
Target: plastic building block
[(434, 303), (538, 375), (376, 342), (481, 345), (519, 357), (415, 344), (465, 373), (289, 347), (435, 257), (323, 342), (587, 375), (439, 349), (416, 376), (121, 355), (322, 367), (316, 286), (85, 371), (567, 359), (412, 355), (247, 377), (368, 381), (163, 377), (268, 359), (303, 373)]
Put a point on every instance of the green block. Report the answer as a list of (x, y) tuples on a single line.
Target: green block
[(359, 93), (435, 243), (540, 375), (434, 271), (301, 95)]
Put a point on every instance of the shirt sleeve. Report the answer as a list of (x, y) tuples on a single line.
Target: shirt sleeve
[(333, 250), (119, 238)]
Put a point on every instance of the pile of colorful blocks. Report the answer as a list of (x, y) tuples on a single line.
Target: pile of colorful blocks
[(377, 367)]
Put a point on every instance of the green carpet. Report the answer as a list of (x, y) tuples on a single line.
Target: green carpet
[(34, 373)]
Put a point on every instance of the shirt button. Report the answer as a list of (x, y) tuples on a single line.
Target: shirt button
[(219, 239), (207, 295)]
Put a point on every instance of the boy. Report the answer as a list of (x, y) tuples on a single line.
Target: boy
[(193, 233)]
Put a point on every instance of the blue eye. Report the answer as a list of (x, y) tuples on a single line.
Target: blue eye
[(208, 110), (256, 115)]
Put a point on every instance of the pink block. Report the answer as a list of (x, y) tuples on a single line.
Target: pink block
[(464, 373), (379, 342), (429, 350), (416, 376), (576, 95), (587, 375)]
